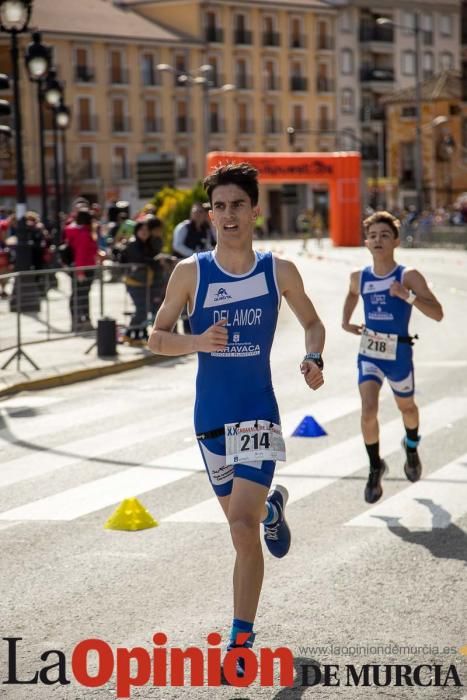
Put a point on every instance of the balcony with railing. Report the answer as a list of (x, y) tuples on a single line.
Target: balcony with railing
[(87, 123), (216, 124), (122, 171), (271, 39), (245, 126), (214, 34), (243, 37), (324, 84), (325, 43), (371, 113), (372, 32), (272, 82), (121, 124), (243, 82), (151, 77), (153, 125), (373, 74), (273, 126), (326, 125), (298, 83), (118, 76), (84, 74), (183, 125), (298, 41), (89, 170)]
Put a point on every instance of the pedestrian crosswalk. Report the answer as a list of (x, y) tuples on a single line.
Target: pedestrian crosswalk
[(435, 502)]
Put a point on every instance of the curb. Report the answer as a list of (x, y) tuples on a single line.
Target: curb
[(81, 375)]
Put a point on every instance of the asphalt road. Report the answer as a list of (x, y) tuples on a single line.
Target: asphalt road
[(382, 586)]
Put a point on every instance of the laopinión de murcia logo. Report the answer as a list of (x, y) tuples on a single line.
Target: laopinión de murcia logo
[(94, 663)]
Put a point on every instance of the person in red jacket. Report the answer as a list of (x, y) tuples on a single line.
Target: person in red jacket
[(79, 235)]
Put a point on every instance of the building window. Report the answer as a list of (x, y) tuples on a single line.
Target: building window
[(446, 61), (445, 25), (215, 126), (408, 22), (181, 124), (272, 123), (241, 34), (408, 112), (151, 120), (85, 120), (271, 81), (347, 67), (347, 101), (212, 30), (120, 166), (407, 164), (298, 121), (408, 62), (297, 38), (427, 29), (118, 72), (149, 73), (83, 71), (88, 162), (243, 119), (183, 162), (242, 79), (324, 123), (345, 21), (428, 64), (120, 121), (270, 36), (214, 75)]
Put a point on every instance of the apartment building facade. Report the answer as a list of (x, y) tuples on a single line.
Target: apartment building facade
[(277, 58), (375, 58)]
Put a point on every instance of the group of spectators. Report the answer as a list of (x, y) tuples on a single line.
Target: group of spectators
[(89, 240)]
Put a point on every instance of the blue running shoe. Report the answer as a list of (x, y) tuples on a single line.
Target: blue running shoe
[(240, 663), (277, 535)]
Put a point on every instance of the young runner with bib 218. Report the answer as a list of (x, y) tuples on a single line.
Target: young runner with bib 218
[(233, 295), (389, 291)]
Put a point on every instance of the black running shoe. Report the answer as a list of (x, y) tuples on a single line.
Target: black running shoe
[(373, 488), (412, 466), (277, 535)]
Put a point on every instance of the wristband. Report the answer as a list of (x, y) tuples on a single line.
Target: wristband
[(411, 298), (314, 357)]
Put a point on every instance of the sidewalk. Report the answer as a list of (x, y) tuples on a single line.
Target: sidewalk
[(65, 362)]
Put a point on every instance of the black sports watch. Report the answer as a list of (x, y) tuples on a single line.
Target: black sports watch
[(314, 357)]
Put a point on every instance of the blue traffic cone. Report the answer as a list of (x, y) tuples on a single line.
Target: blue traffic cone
[(309, 427)]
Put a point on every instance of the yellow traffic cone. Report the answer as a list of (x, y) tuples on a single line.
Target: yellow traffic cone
[(130, 515)]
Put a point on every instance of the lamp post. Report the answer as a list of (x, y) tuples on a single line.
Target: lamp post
[(53, 95), (203, 77), (38, 59), (63, 117), (417, 30), (14, 19)]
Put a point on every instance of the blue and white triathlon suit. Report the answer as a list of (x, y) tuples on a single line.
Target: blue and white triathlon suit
[(387, 314), (234, 384)]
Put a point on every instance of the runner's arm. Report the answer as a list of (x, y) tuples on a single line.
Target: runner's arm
[(425, 301), (351, 301), (180, 291)]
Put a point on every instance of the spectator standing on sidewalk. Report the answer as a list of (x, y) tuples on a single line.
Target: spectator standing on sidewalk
[(81, 239), (194, 235), (140, 253)]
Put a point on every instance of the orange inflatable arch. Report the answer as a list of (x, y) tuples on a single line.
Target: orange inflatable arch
[(340, 171)]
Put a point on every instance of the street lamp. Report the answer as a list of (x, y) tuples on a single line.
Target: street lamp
[(203, 77), (38, 59), (63, 118), (53, 94), (14, 18), (416, 29)]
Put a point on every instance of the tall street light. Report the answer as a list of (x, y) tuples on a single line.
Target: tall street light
[(53, 95), (204, 77), (14, 19), (416, 29), (63, 118), (38, 60)]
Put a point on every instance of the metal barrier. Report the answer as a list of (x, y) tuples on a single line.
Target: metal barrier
[(64, 294)]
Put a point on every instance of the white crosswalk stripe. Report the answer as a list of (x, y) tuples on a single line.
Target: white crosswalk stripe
[(302, 477), (434, 502), (306, 476), (99, 493)]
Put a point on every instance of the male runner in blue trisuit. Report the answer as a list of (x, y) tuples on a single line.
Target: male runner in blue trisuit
[(233, 295), (388, 291)]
